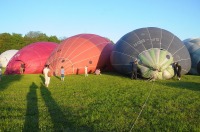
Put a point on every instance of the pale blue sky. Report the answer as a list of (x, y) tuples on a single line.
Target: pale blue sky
[(107, 18)]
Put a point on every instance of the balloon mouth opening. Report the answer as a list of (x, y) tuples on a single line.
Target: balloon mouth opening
[(156, 63)]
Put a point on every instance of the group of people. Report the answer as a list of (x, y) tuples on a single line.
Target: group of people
[(176, 66), (97, 71), (47, 73), (134, 74)]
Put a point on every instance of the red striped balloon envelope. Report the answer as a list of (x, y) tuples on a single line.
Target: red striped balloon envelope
[(34, 56), (76, 52)]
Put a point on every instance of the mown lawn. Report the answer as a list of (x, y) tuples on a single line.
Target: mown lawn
[(110, 102)]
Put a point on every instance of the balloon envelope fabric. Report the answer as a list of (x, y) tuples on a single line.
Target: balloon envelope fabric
[(6, 56), (79, 51), (156, 49), (193, 46), (34, 56)]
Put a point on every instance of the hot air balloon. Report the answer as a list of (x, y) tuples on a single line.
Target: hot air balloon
[(76, 52), (193, 46), (33, 56), (155, 49), (6, 56)]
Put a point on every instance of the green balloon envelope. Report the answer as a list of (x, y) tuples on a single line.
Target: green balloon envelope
[(156, 63)]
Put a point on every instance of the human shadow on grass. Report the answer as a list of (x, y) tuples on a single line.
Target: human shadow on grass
[(42, 78), (61, 121), (6, 80), (32, 113), (58, 77), (183, 85), (114, 73)]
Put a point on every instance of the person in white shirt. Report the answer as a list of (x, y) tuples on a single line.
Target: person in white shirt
[(86, 71), (46, 70), (98, 72)]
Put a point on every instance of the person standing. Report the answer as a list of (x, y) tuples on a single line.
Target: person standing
[(22, 68), (178, 66), (0, 73), (0, 65), (62, 72), (46, 72), (177, 70), (134, 69), (86, 71), (98, 72)]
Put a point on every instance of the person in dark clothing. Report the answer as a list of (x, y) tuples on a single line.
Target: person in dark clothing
[(134, 69), (22, 68), (177, 70)]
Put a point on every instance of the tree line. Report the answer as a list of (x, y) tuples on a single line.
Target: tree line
[(18, 41)]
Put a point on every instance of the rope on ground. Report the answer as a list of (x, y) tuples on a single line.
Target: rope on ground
[(142, 108)]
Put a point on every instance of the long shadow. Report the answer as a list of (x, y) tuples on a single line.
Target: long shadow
[(32, 113), (60, 121), (58, 77), (42, 78), (183, 85), (6, 80), (57, 116), (115, 73)]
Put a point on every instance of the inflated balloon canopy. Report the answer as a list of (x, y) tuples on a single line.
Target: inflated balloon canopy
[(33, 56), (79, 51), (155, 48), (193, 46), (6, 56)]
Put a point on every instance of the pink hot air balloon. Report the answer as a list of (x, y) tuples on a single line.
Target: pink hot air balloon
[(34, 56), (79, 51)]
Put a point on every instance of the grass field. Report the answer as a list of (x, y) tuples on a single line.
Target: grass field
[(110, 102)]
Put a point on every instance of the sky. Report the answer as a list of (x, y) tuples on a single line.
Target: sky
[(107, 18)]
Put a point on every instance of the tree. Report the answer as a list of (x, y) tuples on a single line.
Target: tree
[(17, 41), (53, 39), (33, 34), (5, 41)]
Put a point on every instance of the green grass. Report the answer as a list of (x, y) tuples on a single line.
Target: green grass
[(110, 102)]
